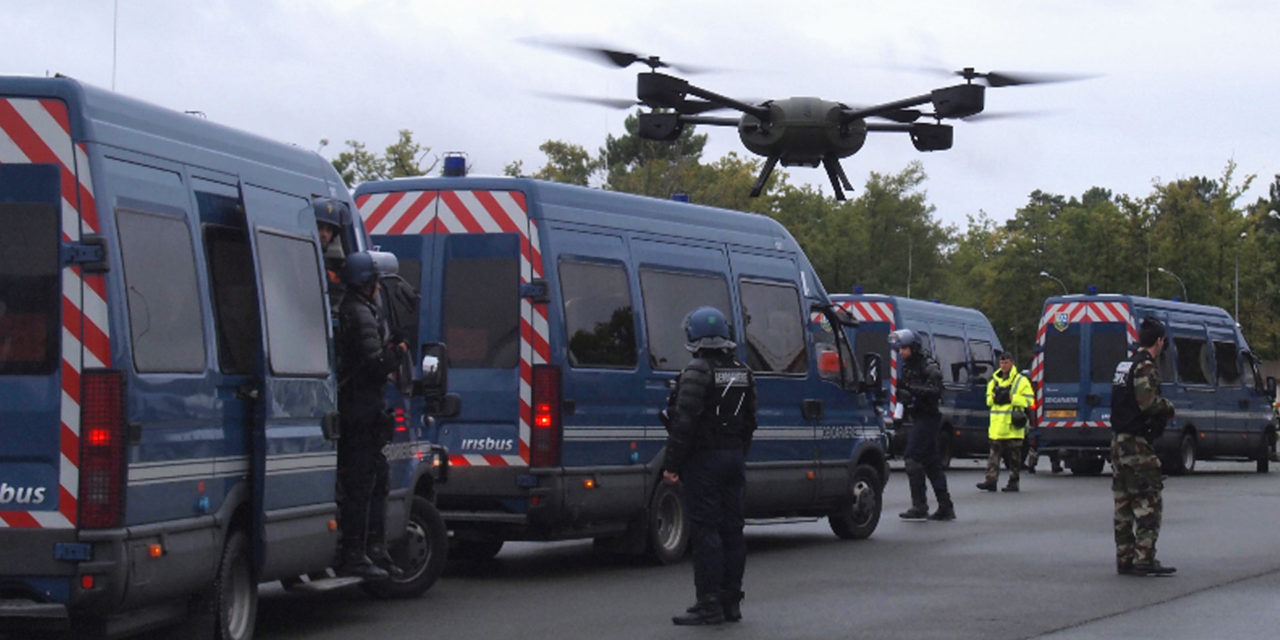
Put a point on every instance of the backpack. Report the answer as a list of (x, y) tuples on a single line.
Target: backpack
[(400, 302)]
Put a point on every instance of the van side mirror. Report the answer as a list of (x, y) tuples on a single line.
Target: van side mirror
[(871, 373), (1271, 387), (433, 386)]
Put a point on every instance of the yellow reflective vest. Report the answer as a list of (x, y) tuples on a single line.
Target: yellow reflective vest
[(1022, 396)]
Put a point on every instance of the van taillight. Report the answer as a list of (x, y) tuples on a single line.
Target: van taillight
[(544, 448), (102, 436)]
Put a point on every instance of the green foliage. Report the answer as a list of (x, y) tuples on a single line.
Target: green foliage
[(402, 159)]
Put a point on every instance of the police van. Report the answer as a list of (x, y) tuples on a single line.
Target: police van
[(562, 308), (959, 338), (1222, 402), (167, 387)]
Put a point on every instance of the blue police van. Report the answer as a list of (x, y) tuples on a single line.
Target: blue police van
[(562, 309), (1207, 369), (959, 338), (167, 387)]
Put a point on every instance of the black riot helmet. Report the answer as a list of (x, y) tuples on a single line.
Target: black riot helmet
[(905, 338)]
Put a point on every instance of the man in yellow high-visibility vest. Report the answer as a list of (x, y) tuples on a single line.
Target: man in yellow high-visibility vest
[(1008, 394)]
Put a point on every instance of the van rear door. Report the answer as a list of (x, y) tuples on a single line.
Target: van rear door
[(30, 344), (477, 249), (1080, 344)]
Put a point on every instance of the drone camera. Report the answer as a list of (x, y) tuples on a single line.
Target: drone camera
[(960, 101), (931, 137), (660, 126)]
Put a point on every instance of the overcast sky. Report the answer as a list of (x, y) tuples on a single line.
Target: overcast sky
[(1184, 86)]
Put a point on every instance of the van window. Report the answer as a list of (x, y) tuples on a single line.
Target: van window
[(774, 329), (1193, 360), (1108, 345), (598, 317), (949, 352), (1224, 353), (1061, 357), (984, 358), (873, 341), (165, 320), (235, 300), (668, 297), (292, 295), (1166, 365), (481, 310), (29, 288)]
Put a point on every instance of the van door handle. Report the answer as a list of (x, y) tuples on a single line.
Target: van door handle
[(811, 409)]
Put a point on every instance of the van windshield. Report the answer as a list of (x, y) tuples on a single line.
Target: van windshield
[(1107, 347), (29, 288)]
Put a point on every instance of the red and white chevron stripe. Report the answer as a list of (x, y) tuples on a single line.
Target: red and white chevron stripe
[(877, 312), (38, 131), (1075, 312), (409, 212)]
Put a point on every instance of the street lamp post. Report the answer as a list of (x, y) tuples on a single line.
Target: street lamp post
[(1241, 242), (1167, 272), (1046, 274)]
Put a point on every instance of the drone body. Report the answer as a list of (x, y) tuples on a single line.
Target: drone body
[(805, 131)]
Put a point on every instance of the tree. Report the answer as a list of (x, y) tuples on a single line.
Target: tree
[(402, 159)]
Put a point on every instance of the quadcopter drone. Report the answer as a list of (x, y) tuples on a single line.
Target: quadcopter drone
[(802, 131)]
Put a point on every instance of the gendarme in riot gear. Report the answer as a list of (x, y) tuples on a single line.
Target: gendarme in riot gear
[(711, 416), (918, 392)]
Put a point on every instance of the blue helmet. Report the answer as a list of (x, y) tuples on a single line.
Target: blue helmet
[(363, 267), (331, 211), (707, 328), (905, 338)]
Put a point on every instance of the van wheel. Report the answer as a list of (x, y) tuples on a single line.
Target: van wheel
[(858, 517), (228, 609), (1185, 460), (668, 530), (1082, 466), (1268, 450), (421, 554)]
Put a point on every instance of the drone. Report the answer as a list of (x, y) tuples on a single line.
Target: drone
[(802, 131)]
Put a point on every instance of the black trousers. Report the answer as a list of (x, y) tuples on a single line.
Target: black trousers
[(923, 461), (714, 482), (362, 497)]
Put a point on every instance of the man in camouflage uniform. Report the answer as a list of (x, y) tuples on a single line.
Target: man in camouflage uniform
[(1138, 416)]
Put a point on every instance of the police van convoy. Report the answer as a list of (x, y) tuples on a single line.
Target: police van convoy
[(562, 309), (1223, 404), (962, 341), (166, 371)]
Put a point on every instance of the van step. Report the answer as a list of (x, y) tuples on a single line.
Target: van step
[(759, 521), (327, 584)]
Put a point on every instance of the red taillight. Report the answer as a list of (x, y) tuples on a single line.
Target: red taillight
[(101, 448), (544, 448), (400, 421)]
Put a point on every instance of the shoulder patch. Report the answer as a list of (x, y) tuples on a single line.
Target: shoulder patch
[(1122, 369)]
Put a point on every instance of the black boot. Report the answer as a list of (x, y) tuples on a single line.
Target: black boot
[(916, 512), (946, 510), (731, 602), (356, 564), (378, 554), (707, 611), (987, 485)]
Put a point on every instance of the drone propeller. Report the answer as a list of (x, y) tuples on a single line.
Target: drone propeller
[(1015, 78), (686, 107), (615, 57)]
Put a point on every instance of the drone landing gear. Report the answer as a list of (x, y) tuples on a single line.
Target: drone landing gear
[(836, 173), (769, 164)]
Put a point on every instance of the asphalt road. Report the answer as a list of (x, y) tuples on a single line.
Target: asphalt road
[(1036, 564)]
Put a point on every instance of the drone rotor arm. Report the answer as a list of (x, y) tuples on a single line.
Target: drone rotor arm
[(886, 110), (711, 96), (718, 121)]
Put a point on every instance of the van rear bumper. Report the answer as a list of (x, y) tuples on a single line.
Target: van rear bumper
[(19, 614), (1084, 439)]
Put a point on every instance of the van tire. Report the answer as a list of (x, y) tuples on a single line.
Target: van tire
[(228, 609), (668, 529), (1086, 466), (421, 554), (857, 518), (475, 549), (1268, 450), (1183, 460)]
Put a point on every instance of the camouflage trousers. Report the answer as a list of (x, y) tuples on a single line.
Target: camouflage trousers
[(1008, 450), (1136, 484)]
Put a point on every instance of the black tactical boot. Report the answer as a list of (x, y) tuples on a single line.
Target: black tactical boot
[(731, 602), (1012, 487), (918, 512), (1153, 568), (357, 564), (946, 511), (378, 554), (707, 611), (987, 485)]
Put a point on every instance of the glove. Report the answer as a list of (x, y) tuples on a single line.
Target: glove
[(904, 397)]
